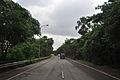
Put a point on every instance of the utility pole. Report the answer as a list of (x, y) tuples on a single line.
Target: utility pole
[(40, 37)]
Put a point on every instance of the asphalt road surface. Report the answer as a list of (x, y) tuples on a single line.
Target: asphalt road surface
[(55, 69)]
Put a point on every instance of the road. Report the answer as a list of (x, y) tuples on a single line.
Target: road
[(55, 69)]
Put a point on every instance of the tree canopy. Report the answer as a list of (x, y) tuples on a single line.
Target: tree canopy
[(100, 40), (16, 25)]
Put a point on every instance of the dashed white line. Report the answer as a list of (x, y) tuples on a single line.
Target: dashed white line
[(62, 74)]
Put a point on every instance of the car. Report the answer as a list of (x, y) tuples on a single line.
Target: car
[(62, 56)]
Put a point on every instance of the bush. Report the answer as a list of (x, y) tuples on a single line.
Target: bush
[(23, 51)]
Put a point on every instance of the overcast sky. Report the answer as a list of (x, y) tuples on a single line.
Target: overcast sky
[(61, 15)]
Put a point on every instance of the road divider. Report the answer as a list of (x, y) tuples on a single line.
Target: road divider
[(13, 65)]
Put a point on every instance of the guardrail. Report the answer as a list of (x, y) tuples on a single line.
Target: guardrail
[(7, 66), (13, 64)]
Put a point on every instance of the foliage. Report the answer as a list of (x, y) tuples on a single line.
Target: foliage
[(46, 46), (16, 25), (100, 40), (31, 49), (18, 28)]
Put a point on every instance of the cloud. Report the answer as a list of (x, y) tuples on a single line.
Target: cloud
[(65, 16), (14, 0), (58, 39), (41, 3), (61, 15)]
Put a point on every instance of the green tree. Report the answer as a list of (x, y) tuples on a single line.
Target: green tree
[(46, 46), (100, 40), (16, 25)]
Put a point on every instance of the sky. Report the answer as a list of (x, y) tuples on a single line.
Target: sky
[(61, 15)]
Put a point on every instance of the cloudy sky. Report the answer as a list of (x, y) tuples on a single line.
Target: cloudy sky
[(61, 15)]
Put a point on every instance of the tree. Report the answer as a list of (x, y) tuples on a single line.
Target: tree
[(35, 26), (83, 23), (100, 40), (45, 46), (16, 25)]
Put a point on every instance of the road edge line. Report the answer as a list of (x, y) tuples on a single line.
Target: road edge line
[(97, 70), (24, 72)]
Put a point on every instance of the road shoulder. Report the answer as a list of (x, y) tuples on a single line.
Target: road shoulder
[(105, 69)]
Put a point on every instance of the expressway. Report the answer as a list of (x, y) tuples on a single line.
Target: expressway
[(56, 69)]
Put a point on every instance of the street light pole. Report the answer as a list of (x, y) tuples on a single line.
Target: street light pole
[(40, 36), (44, 25)]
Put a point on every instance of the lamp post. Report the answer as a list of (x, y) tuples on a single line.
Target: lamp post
[(40, 36)]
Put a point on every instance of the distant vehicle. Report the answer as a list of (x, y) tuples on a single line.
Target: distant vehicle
[(58, 55), (62, 56)]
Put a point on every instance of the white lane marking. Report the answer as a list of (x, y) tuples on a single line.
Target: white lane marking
[(23, 72), (62, 74), (98, 70)]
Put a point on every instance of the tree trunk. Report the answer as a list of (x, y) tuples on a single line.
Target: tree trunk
[(2, 52)]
